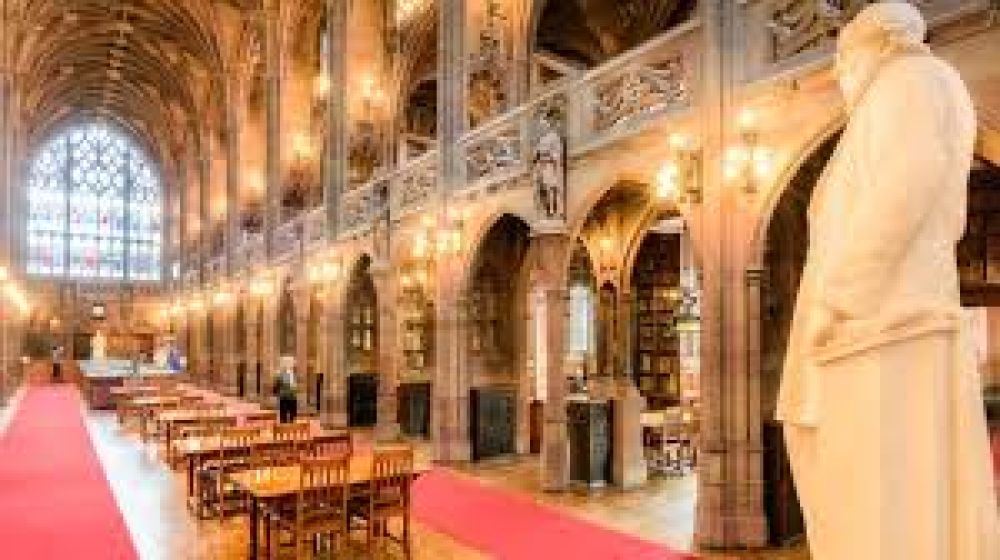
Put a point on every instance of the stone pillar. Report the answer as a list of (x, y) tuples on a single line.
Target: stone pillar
[(550, 250), (730, 509), (336, 113), (252, 325), (272, 99), (336, 371), (269, 352), (450, 388), (383, 274), (452, 95), (302, 296)]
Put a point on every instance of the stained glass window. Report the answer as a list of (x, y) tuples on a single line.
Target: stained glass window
[(94, 208)]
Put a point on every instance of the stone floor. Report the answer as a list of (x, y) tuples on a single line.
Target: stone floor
[(152, 501)]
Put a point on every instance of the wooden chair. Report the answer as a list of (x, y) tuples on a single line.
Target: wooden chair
[(321, 506), (234, 454), (388, 497), (330, 445)]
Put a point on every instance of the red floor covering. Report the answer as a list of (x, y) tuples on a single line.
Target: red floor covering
[(55, 502), (508, 526)]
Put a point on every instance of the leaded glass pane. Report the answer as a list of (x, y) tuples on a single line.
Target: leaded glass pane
[(91, 195)]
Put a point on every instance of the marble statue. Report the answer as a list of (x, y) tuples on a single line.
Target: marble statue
[(98, 346), (549, 172), (880, 399)]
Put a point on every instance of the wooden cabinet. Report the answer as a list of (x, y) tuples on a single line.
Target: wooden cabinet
[(414, 412), (590, 441), (493, 421), (362, 399)]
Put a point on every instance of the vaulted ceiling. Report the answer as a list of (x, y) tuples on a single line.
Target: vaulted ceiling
[(155, 66)]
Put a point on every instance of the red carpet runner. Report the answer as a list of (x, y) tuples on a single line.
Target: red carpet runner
[(55, 502), (506, 526)]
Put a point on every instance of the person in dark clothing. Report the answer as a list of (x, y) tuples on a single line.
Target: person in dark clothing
[(56, 364), (285, 388)]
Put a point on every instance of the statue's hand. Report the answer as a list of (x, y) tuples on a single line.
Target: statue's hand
[(825, 327)]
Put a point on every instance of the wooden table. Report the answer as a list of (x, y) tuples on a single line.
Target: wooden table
[(194, 450), (145, 405), (278, 483), (169, 419)]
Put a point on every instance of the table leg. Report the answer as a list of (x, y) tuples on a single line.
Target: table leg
[(190, 475), (254, 526), (170, 454)]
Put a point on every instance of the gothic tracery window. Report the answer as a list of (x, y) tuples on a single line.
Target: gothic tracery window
[(94, 208)]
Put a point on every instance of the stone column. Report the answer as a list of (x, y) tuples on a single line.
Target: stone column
[(269, 352), (336, 113), (385, 287), (730, 509), (302, 297), (234, 127), (550, 276), (336, 371), (252, 324), (450, 387), (272, 99)]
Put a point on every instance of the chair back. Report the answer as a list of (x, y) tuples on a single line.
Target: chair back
[(237, 442), (324, 486), (331, 445), (392, 474), (297, 431)]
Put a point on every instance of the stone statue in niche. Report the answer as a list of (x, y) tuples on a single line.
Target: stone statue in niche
[(549, 169), (363, 154), (881, 399)]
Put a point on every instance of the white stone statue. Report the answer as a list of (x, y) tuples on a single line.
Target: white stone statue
[(98, 346), (881, 400), (549, 172)]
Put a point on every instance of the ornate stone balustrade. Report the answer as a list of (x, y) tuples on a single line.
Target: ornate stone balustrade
[(360, 206), (656, 79), (314, 226), (786, 33), (288, 238), (413, 184)]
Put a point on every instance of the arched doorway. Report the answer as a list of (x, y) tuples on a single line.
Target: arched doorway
[(361, 344), (496, 345), (416, 322)]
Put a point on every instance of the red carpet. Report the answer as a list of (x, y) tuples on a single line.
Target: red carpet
[(55, 502), (507, 526)]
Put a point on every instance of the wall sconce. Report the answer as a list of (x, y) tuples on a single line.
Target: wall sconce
[(322, 86), (748, 162), (196, 304), (222, 297), (606, 247), (449, 239), (680, 178), (261, 287)]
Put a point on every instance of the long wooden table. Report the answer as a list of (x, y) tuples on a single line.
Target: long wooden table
[(194, 450), (274, 484), (232, 414)]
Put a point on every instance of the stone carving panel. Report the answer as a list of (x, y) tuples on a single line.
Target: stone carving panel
[(494, 154), (640, 90)]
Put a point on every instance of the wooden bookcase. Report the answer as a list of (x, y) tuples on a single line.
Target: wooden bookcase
[(656, 299)]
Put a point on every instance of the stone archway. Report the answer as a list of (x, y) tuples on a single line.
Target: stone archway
[(361, 344), (496, 340)]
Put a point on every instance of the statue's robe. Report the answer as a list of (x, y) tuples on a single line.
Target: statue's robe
[(881, 398)]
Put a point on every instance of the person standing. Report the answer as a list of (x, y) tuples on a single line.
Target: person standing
[(57, 364), (285, 388)]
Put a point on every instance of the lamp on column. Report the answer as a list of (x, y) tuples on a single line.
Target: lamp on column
[(680, 177), (748, 162)]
